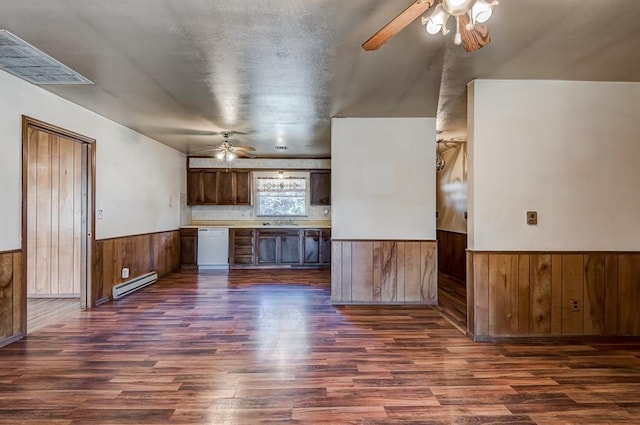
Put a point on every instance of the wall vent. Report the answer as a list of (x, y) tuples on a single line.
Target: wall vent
[(21, 59)]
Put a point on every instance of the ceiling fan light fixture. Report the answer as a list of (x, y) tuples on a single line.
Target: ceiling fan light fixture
[(437, 21), (457, 7), (482, 10)]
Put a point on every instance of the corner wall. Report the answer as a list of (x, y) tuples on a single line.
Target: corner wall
[(383, 211), (567, 150), (138, 180)]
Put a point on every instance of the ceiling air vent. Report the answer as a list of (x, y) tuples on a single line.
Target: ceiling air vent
[(281, 148), (21, 59)]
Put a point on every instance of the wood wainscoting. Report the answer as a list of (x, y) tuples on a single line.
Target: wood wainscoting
[(552, 294), (12, 314), (384, 272), (452, 254), (140, 253)]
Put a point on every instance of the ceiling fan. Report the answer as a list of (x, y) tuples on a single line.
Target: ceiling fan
[(469, 16), (227, 152)]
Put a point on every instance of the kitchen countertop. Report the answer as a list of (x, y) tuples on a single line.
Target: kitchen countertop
[(255, 224)]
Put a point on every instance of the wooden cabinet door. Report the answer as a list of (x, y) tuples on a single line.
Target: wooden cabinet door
[(243, 188), (242, 250), (189, 247), (267, 248), (320, 186), (290, 247), (226, 188), (194, 187), (234, 188), (209, 187), (311, 246), (201, 187), (325, 247)]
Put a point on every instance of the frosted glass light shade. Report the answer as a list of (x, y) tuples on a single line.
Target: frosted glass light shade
[(437, 21), (482, 10)]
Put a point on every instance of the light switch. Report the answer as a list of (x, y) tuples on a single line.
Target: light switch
[(100, 215), (532, 218)]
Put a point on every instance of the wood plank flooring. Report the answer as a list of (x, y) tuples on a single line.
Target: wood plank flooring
[(452, 300), (43, 312), (267, 347)]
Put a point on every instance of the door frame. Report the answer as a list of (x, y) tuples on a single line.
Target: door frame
[(88, 210)]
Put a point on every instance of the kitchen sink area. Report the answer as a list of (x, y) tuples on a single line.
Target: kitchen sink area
[(278, 243)]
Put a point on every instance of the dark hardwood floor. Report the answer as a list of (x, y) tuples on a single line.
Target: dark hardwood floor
[(452, 300), (264, 346)]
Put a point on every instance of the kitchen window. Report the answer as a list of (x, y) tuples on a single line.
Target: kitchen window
[(286, 197)]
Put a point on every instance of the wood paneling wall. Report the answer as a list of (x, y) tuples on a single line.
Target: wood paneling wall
[(452, 254), (11, 296), (384, 272), (537, 294), (140, 253), (54, 201)]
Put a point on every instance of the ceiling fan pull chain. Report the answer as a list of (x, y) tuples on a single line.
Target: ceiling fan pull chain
[(458, 38)]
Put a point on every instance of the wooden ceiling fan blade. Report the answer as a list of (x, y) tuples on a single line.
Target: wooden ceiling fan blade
[(245, 148), (397, 24), (245, 154), (205, 150), (474, 39)]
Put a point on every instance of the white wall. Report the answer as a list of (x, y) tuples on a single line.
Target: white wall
[(383, 178), (568, 150), (138, 181)]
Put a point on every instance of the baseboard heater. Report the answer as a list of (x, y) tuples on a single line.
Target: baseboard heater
[(133, 285)]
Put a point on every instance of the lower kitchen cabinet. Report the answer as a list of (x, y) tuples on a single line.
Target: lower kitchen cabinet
[(267, 248), (290, 247), (242, 250), (280, 247), (276, 246), (317, 246), (189, 248)]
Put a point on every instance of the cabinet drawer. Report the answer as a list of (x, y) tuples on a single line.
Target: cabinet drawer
[(243, 241), (189, 231), (242, 250), (243, 233), (243, 259)]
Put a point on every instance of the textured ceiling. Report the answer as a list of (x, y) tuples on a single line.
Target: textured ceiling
[(276, 71)]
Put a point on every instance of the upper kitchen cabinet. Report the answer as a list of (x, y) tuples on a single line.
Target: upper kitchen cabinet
[(209, 187), (234, 188), (201, 187), (320, 185)]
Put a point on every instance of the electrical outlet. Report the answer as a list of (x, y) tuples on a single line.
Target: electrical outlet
[(125, 273), (532, 218), (100, 214), (575, 305)]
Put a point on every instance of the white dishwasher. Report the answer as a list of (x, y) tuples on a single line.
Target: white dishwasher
[(213, 248)]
